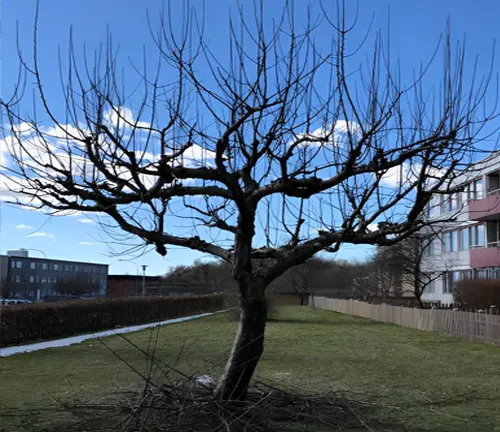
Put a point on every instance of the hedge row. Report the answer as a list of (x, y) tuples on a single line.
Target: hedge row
[(478, 293), (43, 321)]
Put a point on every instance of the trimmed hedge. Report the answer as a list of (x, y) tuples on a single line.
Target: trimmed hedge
[(478, 294), (44, 321)]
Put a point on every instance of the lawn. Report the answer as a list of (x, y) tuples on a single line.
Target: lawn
[(425, 381)]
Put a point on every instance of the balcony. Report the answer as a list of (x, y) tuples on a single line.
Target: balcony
[(488, 256), (487, 208)]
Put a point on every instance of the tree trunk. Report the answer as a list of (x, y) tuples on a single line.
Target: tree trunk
[(246, 352), (303, 299), (420, 303)]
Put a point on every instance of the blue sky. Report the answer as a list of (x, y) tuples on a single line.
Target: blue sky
[(414, 26)]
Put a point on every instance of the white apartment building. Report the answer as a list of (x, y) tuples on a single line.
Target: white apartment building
[(468, 247)]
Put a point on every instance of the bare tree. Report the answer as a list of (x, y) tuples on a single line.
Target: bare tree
[(378, 279), (401, 269), (412, 255), (296, 280), (285, 150)]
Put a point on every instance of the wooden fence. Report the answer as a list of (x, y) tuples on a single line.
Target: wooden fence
[(473, 325)]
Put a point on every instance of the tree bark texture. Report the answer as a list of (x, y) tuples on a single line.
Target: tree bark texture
[(247, 349)]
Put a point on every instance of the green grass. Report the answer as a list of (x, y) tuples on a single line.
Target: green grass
[(433, 382)]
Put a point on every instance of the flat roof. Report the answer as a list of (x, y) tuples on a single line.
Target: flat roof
[(124, 277), (53, 259)]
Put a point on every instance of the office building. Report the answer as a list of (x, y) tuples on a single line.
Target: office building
[(22, 276), (469, 246)]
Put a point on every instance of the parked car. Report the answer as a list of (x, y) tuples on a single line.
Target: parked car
[(10, 302)]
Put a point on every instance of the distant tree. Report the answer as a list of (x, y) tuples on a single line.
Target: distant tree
[(414, 257), (405, 267), (375, 279), (296, 280), (280, 152)]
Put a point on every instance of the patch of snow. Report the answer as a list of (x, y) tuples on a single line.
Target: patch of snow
[(5, 352), (205, 380)]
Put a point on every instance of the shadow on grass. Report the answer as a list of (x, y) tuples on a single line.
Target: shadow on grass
[(191, 407)]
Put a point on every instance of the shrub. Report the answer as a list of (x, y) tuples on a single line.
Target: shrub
[(42, 321), (478, 294)]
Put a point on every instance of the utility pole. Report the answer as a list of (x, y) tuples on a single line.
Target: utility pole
[(144, 280)]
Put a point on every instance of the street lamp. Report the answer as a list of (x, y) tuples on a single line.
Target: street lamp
[(37, 250), (136, 272), (144, 267)]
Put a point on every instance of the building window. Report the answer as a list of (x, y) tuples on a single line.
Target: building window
[(497, 273), (44, 279), (450, 278), (37, 279), (480, 235), (476, 235), (13, 264), (431, 286), (19, 264), (466, 193), (464, 239), (446, 242), (480, 274), (33, 265), (477, 189), (493, 233), (450, 241), (76, 268), (453, 202), (32, 279), (67, 268), (466, 275), (56, 267), (44, 266), (431, 247), (428, 211), (18, 278), (454, 241)]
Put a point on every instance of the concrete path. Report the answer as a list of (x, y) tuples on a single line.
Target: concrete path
[(5, 352)]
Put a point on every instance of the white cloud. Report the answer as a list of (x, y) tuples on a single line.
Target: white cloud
[(344, 126), (372, 227), (65, 132), (122, 117), (52, 147), (22, 226), (409, 172), (23, 128), (86, 221), (331, 135), (196, 156), (396, 176), (41, 234), (86, 243), (9, 185)]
